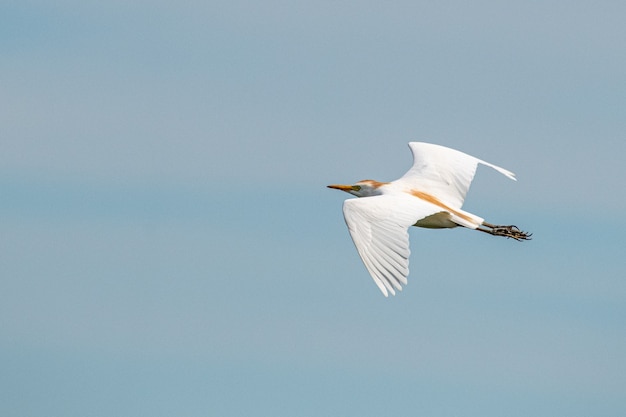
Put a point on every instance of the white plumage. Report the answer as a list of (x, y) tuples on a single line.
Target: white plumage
[(429, 195)]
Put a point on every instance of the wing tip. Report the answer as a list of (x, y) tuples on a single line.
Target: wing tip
[(503, 171), (387, 290)]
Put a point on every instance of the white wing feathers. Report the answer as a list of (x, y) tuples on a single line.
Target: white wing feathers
[(446, 173), (379, 224), (379, 229)]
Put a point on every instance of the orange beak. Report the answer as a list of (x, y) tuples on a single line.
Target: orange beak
[(346, 188)]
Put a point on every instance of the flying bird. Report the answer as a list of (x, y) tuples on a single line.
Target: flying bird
[(429, 195)]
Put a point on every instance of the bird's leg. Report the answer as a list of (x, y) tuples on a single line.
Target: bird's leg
[(506, 231)]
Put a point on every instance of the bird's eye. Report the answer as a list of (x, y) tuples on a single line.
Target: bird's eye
[(356, 187)]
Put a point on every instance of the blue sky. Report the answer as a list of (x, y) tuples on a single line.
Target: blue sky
[(168, 246)]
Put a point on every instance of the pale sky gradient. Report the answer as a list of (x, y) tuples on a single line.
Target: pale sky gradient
[(168, 246)]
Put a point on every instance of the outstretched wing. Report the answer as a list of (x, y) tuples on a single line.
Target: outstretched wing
[(379, 229), (443, 172)]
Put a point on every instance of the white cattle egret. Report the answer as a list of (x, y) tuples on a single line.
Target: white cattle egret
[(429, 195)]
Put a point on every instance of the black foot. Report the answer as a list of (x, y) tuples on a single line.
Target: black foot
[(512, 232)]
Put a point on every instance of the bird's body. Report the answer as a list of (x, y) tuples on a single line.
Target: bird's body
[(429, 195)]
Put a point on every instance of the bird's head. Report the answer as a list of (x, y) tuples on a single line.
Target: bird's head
[(364, 188)]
